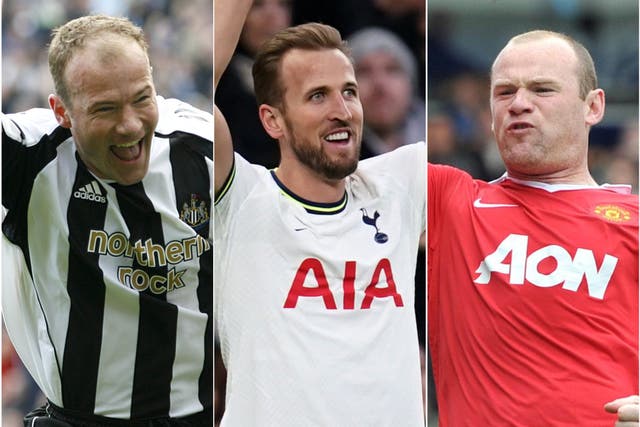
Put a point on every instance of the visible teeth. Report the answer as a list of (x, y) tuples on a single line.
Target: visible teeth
[(127, 145), (337, 136)]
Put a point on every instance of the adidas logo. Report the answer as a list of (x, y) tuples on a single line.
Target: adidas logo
[(90, 192)]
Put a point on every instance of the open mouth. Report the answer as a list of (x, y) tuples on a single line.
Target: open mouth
[(341, 136), (128, 151)]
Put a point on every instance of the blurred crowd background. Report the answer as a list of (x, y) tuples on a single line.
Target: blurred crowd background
[(179, 33), (404, 91)]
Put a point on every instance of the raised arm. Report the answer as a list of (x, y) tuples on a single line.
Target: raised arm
[(229, 18)]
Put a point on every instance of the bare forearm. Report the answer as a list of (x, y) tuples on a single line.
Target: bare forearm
[(229, 16)]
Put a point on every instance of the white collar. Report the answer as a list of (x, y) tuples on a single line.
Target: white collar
[(551, 188)]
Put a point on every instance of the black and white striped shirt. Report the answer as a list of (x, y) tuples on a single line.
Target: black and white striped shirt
[(107, 289)]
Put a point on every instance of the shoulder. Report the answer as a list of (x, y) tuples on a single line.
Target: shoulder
[(447, 171), (405, 158), (401, 172), (28, 127), (243, 179), (176, 116)]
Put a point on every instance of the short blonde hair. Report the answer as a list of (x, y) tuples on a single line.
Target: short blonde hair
[(73, 36)]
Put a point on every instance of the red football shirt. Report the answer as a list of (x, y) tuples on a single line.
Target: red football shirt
[(533, 300)]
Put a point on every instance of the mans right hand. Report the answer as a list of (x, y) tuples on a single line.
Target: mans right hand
[(628, 410)]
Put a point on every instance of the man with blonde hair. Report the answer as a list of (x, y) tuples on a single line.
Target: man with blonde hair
[(106, 239)]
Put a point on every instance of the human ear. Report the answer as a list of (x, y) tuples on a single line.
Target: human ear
[(60, 111), (271, 120), (594, 107)]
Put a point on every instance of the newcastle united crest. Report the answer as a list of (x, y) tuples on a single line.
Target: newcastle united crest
[(195, 213)]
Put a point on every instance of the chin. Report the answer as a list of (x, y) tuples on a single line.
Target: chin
[(127, 182), (132, 178)]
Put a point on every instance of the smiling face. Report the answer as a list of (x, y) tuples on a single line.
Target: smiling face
[(540, 122), (112, 111), (321, 127)]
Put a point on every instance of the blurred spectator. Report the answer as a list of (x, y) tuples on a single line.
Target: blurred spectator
[(446, 62), (467, 100), (405, 18), (622, 165), (443, 146), (386, 71), (235, 95)]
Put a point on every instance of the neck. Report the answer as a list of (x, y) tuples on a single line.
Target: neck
[(309, 185), (561, 177)]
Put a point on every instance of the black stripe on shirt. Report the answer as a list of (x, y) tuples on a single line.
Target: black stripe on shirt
[(86, 289), (20, 166), (191, 180), (157, 325), (205, 297)]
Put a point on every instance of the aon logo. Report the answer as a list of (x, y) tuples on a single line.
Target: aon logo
[(569, 270)]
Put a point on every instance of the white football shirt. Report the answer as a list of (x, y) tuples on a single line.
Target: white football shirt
[(314, 302)]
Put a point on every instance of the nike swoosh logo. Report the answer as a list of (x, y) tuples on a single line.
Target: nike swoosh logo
[(478, 204)]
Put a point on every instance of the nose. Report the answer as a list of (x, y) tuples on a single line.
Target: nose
[(340, 109), (129, 123), (520, 102)]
